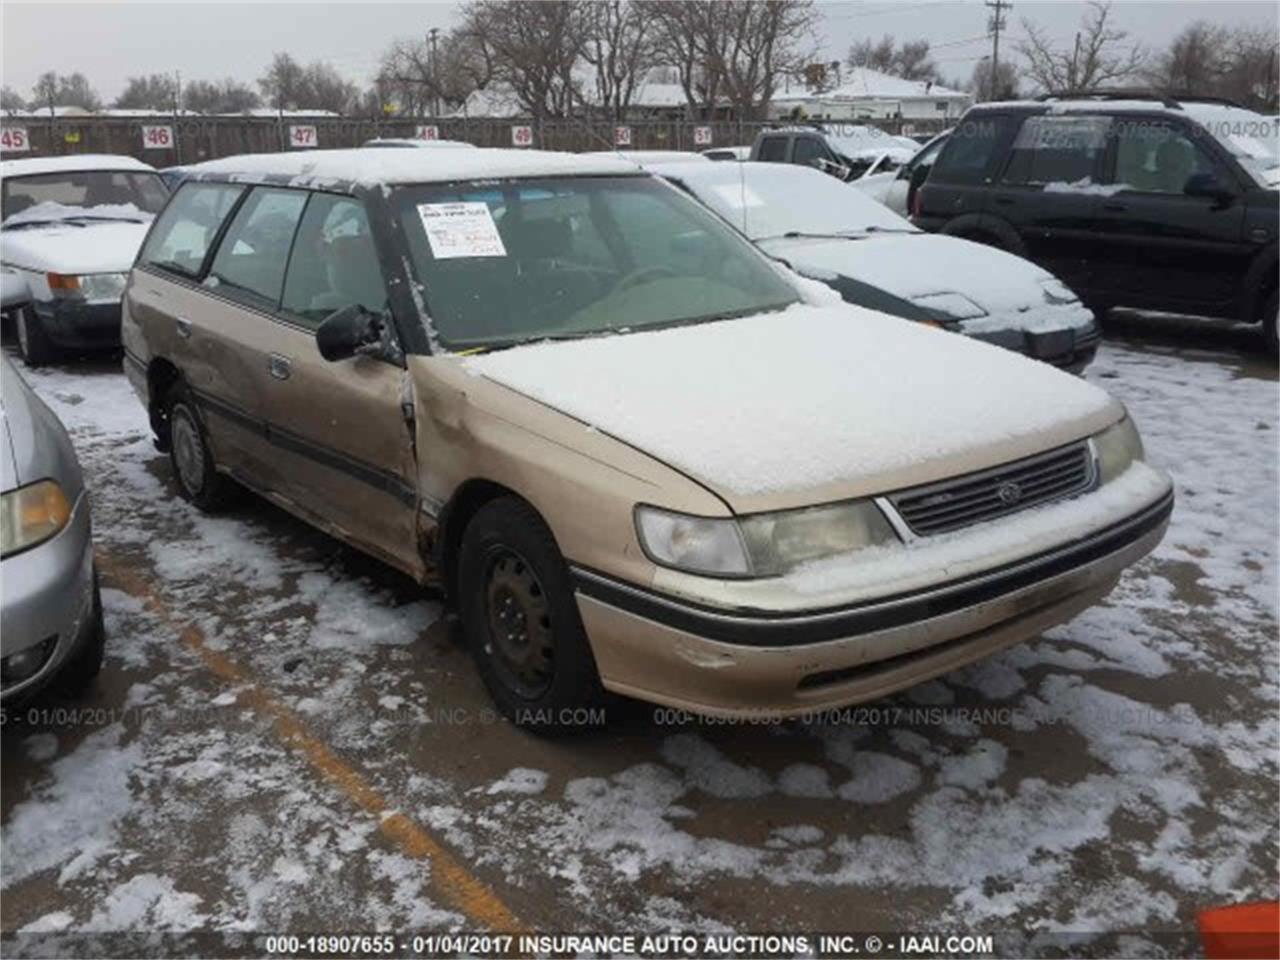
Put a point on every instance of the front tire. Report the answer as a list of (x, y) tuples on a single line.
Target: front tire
[(190, 455), (521, 621), (33, 342)]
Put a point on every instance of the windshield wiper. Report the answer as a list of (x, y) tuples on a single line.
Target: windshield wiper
[(803, 235), (37, 223), (98, 216)]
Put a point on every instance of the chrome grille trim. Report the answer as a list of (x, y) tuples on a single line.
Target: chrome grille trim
[(974, 497)]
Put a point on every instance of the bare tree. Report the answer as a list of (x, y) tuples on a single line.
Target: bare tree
[(283, 85), (414, 83), (323, 88), (158, 91), (1241, 64), (10, 99), (1007, 81), (226, 96), (533, 48), (65, 90), (737, 50), (619, 43), (1098, 56), (873, 54), (910, 60)]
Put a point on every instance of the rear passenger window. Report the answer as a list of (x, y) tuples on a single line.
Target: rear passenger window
[(180, 237), (774, 150), (1157, 158), (1057, 150), (334, 262), (970, 150), (808, 151), (252, 256)]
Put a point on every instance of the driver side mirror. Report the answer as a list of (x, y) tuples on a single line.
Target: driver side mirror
[(1210, 187), (348, 331)]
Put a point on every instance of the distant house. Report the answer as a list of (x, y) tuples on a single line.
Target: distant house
[(866, 94), (650, 101)]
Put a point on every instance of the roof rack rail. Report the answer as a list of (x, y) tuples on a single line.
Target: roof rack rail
[(1114, 93)]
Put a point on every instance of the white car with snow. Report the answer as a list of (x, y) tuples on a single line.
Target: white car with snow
[(847, 151), (828, 232), (70, 228), (897, 188)]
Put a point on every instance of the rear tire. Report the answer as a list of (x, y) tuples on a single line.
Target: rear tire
[(522, 624), (190, 455), (78, 673), (33, 342)]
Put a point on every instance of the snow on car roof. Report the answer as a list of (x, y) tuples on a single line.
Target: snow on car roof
[(651, 156), (370, 167), (72, 164)]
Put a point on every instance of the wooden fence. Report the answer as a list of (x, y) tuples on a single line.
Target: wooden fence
[(206, 138)]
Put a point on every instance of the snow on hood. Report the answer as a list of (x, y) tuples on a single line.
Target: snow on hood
[(96, 247), (810, 397), (932, 270)]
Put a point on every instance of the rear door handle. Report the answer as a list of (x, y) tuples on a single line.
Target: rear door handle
[(278, 366), (1114, 207), (1004, 200), (184, 327)]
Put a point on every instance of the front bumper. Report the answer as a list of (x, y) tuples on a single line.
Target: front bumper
[(748, 665), (46, 594), (1071, 349), (78, 325)]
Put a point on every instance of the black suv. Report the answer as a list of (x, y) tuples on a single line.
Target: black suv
[(1151, 203)]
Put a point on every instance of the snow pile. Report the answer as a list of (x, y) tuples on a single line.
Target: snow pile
[(803, 397), (1086, 186), (108, 246)]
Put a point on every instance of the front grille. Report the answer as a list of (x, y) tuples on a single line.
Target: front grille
[(1088, 338), (974, 497)]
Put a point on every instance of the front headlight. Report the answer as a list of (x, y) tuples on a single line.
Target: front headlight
[(710, 545), (31, 515), (1118, 446), (93, 287), (761, 545), (778, 542)]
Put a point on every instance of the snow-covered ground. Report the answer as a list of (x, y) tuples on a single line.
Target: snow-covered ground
[(1119, 773)]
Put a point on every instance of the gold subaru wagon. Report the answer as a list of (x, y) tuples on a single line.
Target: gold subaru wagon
[(639, 455)]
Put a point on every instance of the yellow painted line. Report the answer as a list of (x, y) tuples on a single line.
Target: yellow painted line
[(454, 883)]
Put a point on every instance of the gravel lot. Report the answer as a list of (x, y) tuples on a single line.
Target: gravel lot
[(288, 736)]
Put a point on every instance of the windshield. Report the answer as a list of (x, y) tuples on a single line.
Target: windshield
[(81, 194), (509, 262), (775, 200)]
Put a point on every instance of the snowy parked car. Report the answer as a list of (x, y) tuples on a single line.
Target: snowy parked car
[(640, 455), (837, 235), (897, 189), (728, 153), (415, 144), (50, 612), (69, 230)]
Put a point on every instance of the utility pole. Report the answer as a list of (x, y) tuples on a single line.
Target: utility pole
[(1075, 65), (994, 25), (435, 86)]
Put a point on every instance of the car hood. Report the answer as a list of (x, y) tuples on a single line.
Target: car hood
[(876, 185), (807, 405), (931, 270), (65, 248)]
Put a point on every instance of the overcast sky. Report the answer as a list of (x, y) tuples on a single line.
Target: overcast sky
[(110, 42)]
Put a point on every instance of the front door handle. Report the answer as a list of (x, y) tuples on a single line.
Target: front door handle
[(184, 327), (278, 366), (1114, 207)]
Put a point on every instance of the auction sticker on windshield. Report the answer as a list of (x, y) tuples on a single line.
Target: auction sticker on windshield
[(462, 229)]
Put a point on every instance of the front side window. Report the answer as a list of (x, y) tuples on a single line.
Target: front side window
[(1154, 157), (334, 262), (252, 256), (808, 151), (1058, 150), (121, 191), (180, 237), (774, 150), (525, 260)]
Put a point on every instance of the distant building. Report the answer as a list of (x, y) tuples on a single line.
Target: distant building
[(650, 101), (865, 94)]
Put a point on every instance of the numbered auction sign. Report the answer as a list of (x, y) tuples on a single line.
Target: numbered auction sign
[(303, 135), (426, 133), (622, 136), (702, 136), (521, 136), (14, 139), (157, 137)]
